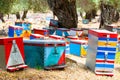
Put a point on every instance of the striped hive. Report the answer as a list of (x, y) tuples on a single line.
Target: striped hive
[(101, 51)]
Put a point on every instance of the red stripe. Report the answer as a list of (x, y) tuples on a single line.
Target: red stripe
[(108, 61), (56, 37), (100, 60), (101, 34), (38, 36)]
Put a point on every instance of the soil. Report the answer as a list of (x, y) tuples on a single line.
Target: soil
[(73, 71)]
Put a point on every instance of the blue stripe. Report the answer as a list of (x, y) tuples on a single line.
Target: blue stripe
[(105, 65), (109, 65), (100, 55), (111, 56), (107, 48), (108, 39)]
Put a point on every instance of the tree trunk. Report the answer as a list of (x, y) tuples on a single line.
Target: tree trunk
[(18, 15), (24, 14), (65, 10), (1, 17), (91, 14), (108, 15)]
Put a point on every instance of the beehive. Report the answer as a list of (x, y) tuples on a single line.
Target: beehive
[(53, 23), (56, 37), (26, 28), (101, 51), (51, 30), (15, 31), (36, 36), (44, 32), (62, 32), (12, 54), (45, 54), (78, 47), (76, 32)]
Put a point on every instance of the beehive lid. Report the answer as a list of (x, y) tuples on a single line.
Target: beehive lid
[(37, 35), (76, 29), (79, 41), (36, 41), (57, 37), (15, 27), (63, 29), (103, 33)]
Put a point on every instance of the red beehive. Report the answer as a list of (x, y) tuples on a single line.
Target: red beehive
[(12, 54), (36, 36), (44, 32)]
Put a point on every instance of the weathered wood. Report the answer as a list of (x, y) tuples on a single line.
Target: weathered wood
[(18, 15), (109, 14), (24, 15), (1, 17)]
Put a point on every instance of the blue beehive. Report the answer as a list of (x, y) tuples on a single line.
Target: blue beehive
[(62, 32), (101, 51), (44, 53), (15, 31), (26, 28), (51, 30), (53, 23), (78, 47)]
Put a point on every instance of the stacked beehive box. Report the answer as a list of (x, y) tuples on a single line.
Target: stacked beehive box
[(101, 51), (46, 54)]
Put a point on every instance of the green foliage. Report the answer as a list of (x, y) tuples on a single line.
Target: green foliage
[(35, 5), (5, 6), (20, 5), (86, 5), (39, 5)]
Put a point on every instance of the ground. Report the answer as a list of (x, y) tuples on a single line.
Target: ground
[(73, 71)]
